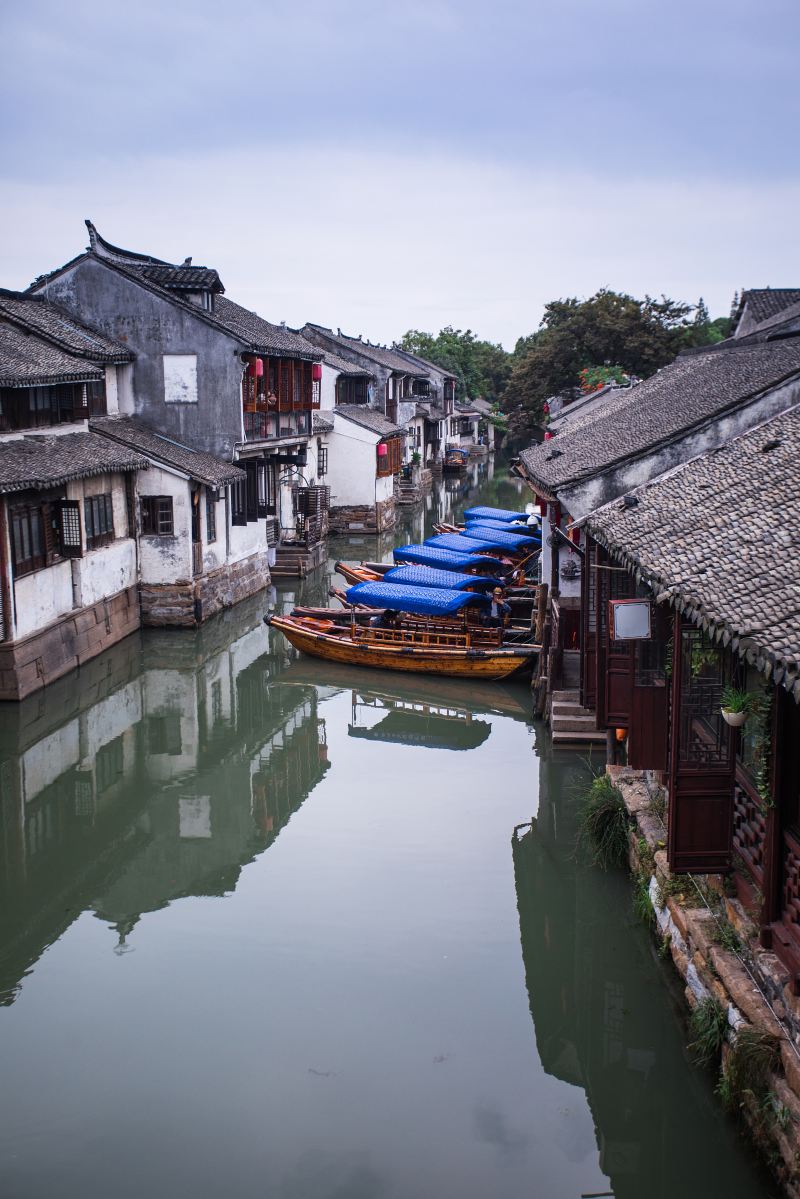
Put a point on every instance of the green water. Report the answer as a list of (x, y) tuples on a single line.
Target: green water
[(266, 930)]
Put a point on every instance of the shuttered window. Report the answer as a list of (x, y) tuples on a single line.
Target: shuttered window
[(98, 519)]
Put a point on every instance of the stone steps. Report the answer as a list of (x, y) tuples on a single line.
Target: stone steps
[(570, 723)]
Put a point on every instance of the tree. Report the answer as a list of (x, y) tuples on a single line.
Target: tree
[(609, 329), (481, 367), (703, 331)]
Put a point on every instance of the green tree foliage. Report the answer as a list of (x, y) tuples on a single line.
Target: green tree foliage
[(637, 336), (481, 367), (703, 331)]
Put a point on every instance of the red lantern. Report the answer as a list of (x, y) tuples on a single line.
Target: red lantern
[(316, 372), (259, 367), (383, 449), (548, 436), (546, 409)]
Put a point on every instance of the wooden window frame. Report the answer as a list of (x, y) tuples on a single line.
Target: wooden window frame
[(157, 515), (391, 462), (239, 502), (211, 516), (98, 520)]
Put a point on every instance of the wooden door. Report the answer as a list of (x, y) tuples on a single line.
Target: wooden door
[(700, 819)]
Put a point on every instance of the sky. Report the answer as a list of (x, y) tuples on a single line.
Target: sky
[(378, 167)]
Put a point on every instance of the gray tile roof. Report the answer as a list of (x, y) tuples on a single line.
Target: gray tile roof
[(720, 538), (30, 361), (322, 422), (38, 462), (47, 320), (435, 414), (344, 366), (692, 390), (765, 302), (185, 278), (386, 357), (368, 418), (423, 363), (205, 468), (262, 336)]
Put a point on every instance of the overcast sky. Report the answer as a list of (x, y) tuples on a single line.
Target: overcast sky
[(377, 166)]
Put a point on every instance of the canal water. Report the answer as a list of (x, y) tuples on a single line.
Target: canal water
[(270, 928)]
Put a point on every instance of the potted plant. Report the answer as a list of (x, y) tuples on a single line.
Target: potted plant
[(736, 706)]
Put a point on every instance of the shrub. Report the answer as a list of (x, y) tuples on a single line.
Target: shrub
[(708, 1024), (754, 1056), (603, 824)]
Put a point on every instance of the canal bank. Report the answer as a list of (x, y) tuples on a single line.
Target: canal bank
[(266, 929)]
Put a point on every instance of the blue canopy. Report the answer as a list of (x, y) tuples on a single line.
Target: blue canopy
[(424, 576), (480, 540), (503, 514), (423, 601), (509, 540), (479, 544), (454, 449), (501, 526), (428, 555)]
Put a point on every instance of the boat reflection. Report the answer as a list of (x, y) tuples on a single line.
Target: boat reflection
[(169, 769), (409, 722)]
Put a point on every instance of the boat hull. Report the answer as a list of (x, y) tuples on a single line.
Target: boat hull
[(488, 664)]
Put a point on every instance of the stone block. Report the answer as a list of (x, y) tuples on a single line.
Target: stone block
[(678, 914), (791, 1067), (700, 927), (743, 991)]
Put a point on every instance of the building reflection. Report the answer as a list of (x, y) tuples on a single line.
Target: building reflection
[(176, 762), (602, 1015)]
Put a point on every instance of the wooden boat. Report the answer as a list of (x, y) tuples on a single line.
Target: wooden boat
[(433, 632), (462, 561), (419, 576), (455, 460), (365, 572)]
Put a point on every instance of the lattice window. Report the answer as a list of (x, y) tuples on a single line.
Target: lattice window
[(703, 734)]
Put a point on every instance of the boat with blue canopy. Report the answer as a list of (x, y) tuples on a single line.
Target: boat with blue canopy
[(528, 538), (480, 541), (425, 630), (421, 601), (501, 514), (442, 559), (507, 526), (426, 576)]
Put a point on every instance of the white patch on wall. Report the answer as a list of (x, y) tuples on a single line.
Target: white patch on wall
[(180, 378), (194, 813)]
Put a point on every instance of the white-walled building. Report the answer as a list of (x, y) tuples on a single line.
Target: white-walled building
[(68, 555), (200, 536)]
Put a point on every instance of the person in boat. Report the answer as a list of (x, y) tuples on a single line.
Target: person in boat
[(496, 616), (384, 620)]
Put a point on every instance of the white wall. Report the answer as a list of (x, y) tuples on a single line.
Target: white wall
[(105, 572), (167, 559), (327, 395), (352, 465), (42, 597)]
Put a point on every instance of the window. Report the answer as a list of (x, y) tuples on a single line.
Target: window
[(164, 734), (98, 519), (40, 407), (252, 489), (390, 462), (180, 378), (157, 520), (27, 538), (43, 530), (109, 764), (211, 515), (322, 460), (238, 502)]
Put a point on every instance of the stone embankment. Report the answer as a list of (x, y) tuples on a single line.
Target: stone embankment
[(714, 946)]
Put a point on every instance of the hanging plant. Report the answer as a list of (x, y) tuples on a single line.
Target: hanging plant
[(736, 706)]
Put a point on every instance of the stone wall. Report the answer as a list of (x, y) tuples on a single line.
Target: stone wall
[(188, 603), (34, 661), (714, 946), (363, 518)]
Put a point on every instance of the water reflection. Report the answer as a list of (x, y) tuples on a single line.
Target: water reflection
[(603, 1015), (178, 762)]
